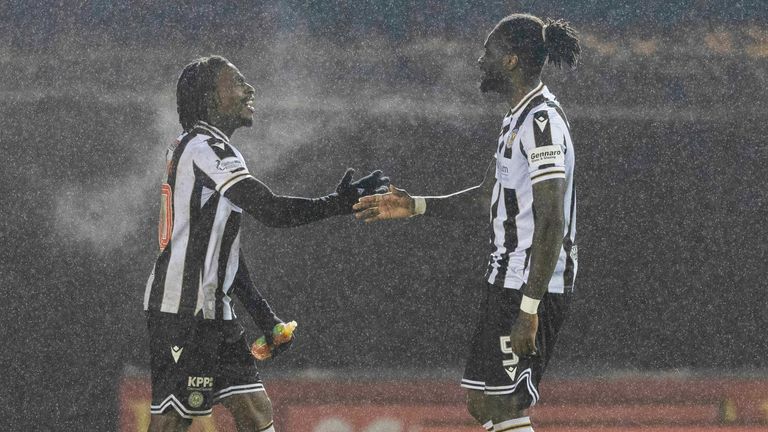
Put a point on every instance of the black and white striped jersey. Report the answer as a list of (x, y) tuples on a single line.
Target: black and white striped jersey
[(535, 145), (199, 230)]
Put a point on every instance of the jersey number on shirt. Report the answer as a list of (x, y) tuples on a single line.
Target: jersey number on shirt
[(165, 227)]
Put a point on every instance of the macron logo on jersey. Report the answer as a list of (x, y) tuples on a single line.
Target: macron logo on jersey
[(176, 353), (541, 121)]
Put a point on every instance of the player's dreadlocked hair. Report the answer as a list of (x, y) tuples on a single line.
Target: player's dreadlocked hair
[(195, 88), (534, 41)]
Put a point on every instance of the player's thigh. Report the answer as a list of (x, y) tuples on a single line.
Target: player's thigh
[(485, 407), (499, 408), (493, 368), (239, 387), (476, 405), (168, 422), (183, 364), (251, 411)]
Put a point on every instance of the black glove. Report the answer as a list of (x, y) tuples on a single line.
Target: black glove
[(350, 191), (266, 324), (285, 346)]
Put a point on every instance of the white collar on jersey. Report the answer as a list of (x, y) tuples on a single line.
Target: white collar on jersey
[(214, 131), (538, 89)]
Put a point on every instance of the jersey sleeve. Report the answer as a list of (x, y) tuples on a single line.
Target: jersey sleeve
[(220, 163), (543, 144)]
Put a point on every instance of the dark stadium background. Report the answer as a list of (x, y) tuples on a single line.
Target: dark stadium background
[(669, 118)]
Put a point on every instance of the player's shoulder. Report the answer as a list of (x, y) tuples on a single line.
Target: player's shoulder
[(196, 139), (203, 144), (547, 112), (544, 119)]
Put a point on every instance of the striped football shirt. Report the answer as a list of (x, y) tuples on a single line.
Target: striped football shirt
[(199, 230), (534, 146)]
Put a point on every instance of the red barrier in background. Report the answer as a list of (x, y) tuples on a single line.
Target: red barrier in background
[(595, 405)]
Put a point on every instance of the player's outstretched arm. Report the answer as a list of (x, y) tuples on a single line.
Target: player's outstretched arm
[(398, 204), (282, 211)]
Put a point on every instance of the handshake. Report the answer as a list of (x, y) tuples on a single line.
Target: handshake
[(372, 198)]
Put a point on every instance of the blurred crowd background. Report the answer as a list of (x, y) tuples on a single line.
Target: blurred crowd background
[(668, 110)]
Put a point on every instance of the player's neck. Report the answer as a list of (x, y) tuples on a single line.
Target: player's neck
[(521, 89), (228, 130)]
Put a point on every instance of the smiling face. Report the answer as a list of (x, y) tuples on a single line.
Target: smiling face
[(232, 106)]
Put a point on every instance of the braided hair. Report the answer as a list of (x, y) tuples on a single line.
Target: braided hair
[(195, 89), (536, 41)]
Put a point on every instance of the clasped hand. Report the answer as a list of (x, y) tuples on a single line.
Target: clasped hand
[(350, 191), (395, 204)]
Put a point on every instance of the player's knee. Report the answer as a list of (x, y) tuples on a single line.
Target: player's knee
[(255, 424), (252, 411)]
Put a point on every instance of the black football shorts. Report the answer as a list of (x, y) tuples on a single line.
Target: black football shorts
[(195, 363), (492, 367)]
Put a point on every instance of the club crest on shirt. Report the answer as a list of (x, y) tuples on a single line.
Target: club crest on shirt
[(511, 138), (196, 399)]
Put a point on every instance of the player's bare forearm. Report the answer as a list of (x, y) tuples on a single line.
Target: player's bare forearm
[(547, 241), (547, 235)]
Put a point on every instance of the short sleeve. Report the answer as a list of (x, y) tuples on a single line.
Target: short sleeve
[(221, 163), (543, 145)]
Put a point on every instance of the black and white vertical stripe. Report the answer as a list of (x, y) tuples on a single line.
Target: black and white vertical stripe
[(196, 269), (537, 124)]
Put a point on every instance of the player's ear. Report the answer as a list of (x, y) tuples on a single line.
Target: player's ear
[(510, 62)]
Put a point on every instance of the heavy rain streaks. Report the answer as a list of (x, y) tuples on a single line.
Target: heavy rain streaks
[(666, 111)]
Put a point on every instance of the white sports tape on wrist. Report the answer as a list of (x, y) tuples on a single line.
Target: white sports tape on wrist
[(419, 205), (529, 305)]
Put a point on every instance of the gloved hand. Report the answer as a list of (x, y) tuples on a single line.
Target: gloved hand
[(350, 191), (269, 337), (285, 346), (267, 323)]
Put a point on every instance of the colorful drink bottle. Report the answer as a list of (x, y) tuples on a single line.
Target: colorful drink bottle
[(281, 333)]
